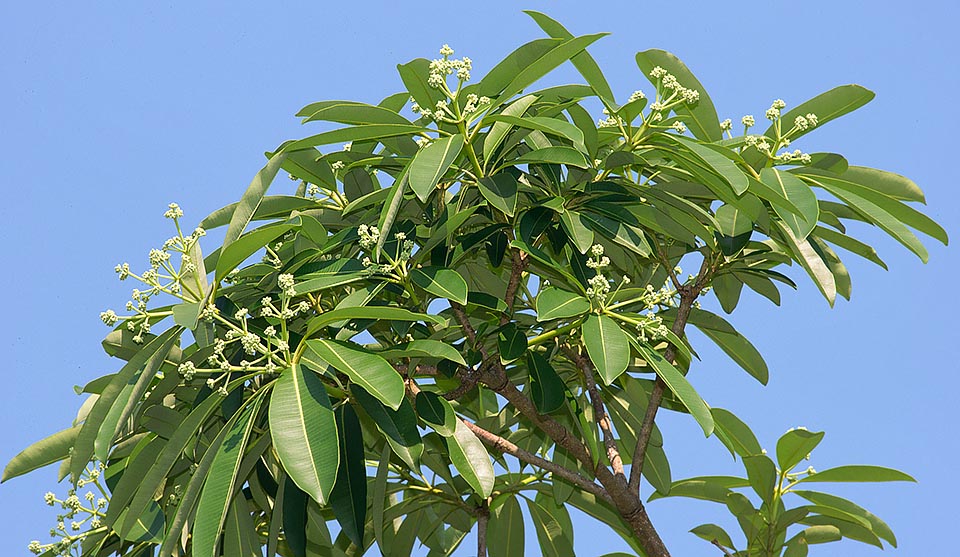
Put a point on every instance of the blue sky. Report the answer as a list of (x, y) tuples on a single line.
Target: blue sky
[(111, 110)]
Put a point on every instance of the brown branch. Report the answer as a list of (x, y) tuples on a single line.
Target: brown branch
[(464, 321), (519, 264), (483, 516), (723, 549), (502, 445), (600, 413), (688, 295)]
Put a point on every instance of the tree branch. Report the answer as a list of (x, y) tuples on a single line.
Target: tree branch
[(502, 445), (483, 516), (600, 413), (688, 295), (519, 264)]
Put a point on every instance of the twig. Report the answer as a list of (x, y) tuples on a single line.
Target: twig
[(519, 264), (600, 413)]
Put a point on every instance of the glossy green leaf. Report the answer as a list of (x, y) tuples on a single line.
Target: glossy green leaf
[(399, 426), (546, 388), (793, 446), (97, 433), (577, 230), (714, 534), (554, 155), (552, 126), (858, 473), (877, 526), (349, 112), (252, 198), (244, 246), (437, 412), (240, 537), (656, 469), (511, 342), (46, 451), (505, 535), (827, 106), (730, 341), (387, 313), (848, 529), (304, 431), (500, 190), (349, 496), (682, 388), (432, 162), (553, 539), (607, 345), (584, 63), (424, 348), (811, 262), (442, 282), (734, 433), (735, 229), (887, 183), (701, 118), (414, 75), (762, 474), (470, 458), (222, 481), (799, 194), (390, 209), (499, 130), (716, 161), (364, 368), (850, 244), (555, 303), (353, 133)]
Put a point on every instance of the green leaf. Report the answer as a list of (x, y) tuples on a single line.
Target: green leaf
[(848, 529), (437, 412), (656, 469), (238, 251), (511, 342), (887, 183), (240, 537), (222, 481), (552, 126), (388, 214), (550, 532), (713, 533), (500, 190), (364, 368), (539, 67), (811, 262), (734, 433), (850, 244), (730, 341), (577, 230), (46, 451), (499, 130), (877, 526), (827, 106), (720, 164), (470, 458), (431, 163), (584, 63), (762, 473), (366, 312), (353, 133), (304, 431), (399, 426), (546, 388), (682, 388), (349, 496), (554, 155), (702, 117), (554, 303), (505, 536), (111, 409), (424, 348), (251, 200), (349, 112), (442, 282), (793, 446), (799, 194), (607, 345), (858, 473), (414, 75), (735, 229), (147, 527)]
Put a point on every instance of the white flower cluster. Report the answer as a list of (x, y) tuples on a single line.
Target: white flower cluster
[(369, 236), (475, 103), (748, 120), (94, 511), (726, 125), (669, 81), (441, 68), (599, 285), (636, 96), (806, 122)]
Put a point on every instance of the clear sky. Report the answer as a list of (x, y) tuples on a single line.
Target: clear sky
[(111, 110)]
